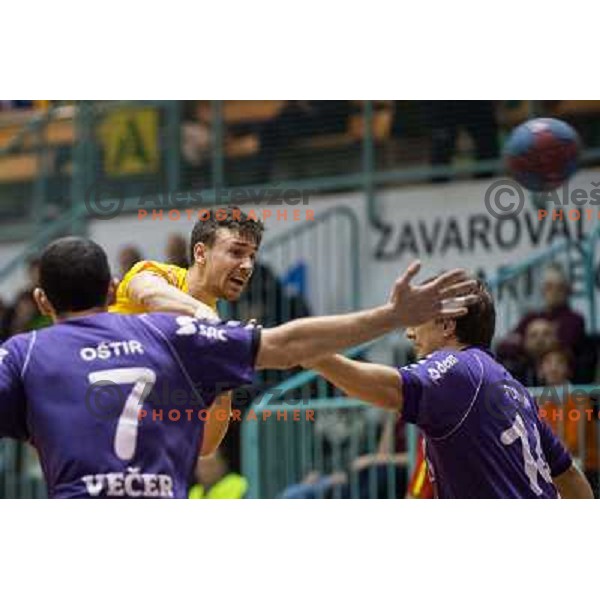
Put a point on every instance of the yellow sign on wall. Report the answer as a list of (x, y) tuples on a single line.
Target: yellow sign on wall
[(130, 141)]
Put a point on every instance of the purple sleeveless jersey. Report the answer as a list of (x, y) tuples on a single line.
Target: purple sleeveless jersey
[(484, 438), (116, 404)]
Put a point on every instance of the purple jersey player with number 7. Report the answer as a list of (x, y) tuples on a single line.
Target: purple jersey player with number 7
[(484, 438), (78, 390)]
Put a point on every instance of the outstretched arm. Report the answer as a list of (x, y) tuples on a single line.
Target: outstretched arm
[(293, 343), (305, 339), (379, 385)]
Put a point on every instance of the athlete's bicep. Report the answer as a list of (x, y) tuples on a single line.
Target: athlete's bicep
[(376, 384), (12, 395)]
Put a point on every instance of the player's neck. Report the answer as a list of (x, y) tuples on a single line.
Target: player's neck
[(196, 288), (455, 345), (78, 314)]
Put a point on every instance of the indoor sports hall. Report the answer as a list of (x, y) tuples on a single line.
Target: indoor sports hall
[(350, 193)]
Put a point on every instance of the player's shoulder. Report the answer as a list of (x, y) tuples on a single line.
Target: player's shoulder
[(17, 348), (183, 324), (182, 327), (442, 363), (19, 340), (447, 363), (171, 273)]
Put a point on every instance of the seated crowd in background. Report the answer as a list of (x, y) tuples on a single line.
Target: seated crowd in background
[(257, 134), (282, 128), (556, 324), (299, 119), (476, 117)]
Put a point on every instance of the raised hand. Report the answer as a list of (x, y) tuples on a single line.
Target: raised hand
[(448, 295)]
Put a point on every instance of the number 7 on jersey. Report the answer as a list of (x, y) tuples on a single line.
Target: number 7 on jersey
[(143, 381)]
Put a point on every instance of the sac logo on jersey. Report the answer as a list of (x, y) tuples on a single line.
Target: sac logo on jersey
[(192, 326), (442, 367), (3, 353)]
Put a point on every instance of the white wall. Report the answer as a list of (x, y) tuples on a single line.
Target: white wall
[(13, 284)]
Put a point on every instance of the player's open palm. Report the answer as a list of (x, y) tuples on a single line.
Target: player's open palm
[(448, 295)]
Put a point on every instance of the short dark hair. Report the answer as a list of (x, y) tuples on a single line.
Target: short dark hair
[(74, 274), (477, 327), (230, 217)]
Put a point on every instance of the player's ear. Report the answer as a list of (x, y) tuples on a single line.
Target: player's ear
[(200, 253), (449, 326), (111, 296), (43, 304)]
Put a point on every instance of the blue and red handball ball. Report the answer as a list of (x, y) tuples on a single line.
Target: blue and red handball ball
[(541, 154)]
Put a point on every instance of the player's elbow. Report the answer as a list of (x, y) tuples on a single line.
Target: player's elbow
[(390, 399), (144, 297), (145, 290)]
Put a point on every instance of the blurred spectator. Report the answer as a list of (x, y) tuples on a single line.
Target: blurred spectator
[(128, 256), (298, 119), (265, 301), (556, 366), (476, 117), (569, 325), (556, 289), (176, 251), (573, 419), (23, 314), (540, 337), (195, 144), (524, 362)]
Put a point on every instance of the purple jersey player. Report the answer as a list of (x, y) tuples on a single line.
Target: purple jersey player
[(114, 403), (484, 438), (78, 391)]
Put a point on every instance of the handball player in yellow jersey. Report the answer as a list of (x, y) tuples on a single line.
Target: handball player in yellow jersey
[(223, 248)]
